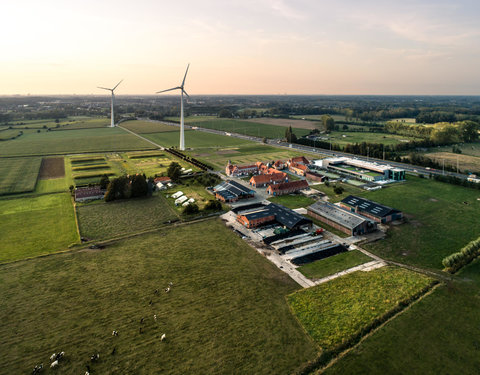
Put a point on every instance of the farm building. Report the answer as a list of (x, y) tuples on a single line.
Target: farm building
[(270, 213), (240, 170), (315, 176), (262, 180), (88, 193), (297, 168), (341, 219), (231, 191), (375, 211), (278, 165), (363, 170), (287, 187), (300, 160), (164, 180)]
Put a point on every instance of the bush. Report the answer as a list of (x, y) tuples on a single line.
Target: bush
[(469, 252), (338, 190), (213, 205), (191, 208)]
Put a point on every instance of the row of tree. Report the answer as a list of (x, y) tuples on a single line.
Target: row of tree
[(126, 187), (455, 261)]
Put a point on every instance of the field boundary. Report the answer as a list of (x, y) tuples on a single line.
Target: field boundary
[(329, 357)]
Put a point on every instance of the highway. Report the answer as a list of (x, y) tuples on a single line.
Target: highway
[(321, 151)]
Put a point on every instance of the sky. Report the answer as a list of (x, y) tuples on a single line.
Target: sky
[(240, 46)]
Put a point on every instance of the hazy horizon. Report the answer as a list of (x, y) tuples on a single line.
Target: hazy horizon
[(269, 47)]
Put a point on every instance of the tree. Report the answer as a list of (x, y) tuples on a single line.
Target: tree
[(118, 188), (338, 190), (104, 181), (264, 139), (174, 171), (328, 123), (290, 136), (139, 186), (190, 209), (213, 205)]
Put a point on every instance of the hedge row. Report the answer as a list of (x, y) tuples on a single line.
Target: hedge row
[(83, 160), (90, 167), (455, 261), (326, 356)]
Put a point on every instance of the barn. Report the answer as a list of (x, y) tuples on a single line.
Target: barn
[(373, 210), (287, 187), (231, 191)]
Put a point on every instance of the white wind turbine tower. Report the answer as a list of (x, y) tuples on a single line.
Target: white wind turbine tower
[(182, 91), (112, 120)]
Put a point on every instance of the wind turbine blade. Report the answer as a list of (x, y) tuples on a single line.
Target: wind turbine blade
[(188, 96), (185, 76), (117, 85), (103, 88), (175, 88)]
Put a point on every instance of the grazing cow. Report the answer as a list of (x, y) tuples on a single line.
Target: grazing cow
[(156, 291), (150, 303), (141, 320), (164, 336), (60, 355), (53, 356), (54, 363), (88, 369), (37, 369), (114, 350), (155, 317), (87, 373), (114, 333), (167, 290), (140, 330), (170, 283), (95, 357)]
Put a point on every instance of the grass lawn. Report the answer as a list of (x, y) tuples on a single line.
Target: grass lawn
[(465, 162), (36, 225), (226, 312), (441, 219), (52, 185), (72, 141), (329, 266), (348, 189), (100, 220), (194, 191), (143, 127), (335, 311), (293, 200), (18, 175), (438, 335), (359, 137)]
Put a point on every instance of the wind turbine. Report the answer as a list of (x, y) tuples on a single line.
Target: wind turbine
[(112, 122), (182, 91)]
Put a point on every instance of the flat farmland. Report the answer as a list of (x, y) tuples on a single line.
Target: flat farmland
[(465, 162), (144, 127), (52, 168), (72, 141), (286, 122), (247, 127), (18, 175), (440, 219), (37, 225), (107, 220), (226, 312), (359, 137), (334, 312), (437, 335)]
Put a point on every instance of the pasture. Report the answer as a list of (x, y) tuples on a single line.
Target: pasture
[(36, 225), (337, 137), (292, 200), (72, 141), (101, 220), (437, 335), (145, 127), (18, 175), (334, 312), (465, 162), (440, 219), (254, 128), (329, 266), (226, 312)]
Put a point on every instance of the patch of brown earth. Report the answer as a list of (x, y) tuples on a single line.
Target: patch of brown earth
[(52, 168)]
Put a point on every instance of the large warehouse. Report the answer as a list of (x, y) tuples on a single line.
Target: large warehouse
[(341, 219), (373, 210), (231, 191)]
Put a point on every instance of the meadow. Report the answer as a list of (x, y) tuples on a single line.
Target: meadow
[(334, 312), (465, 162), (36, 225), (329, 266), (18, 175), (337, 137), (226, 312), (145, 127), (100, 220), (292, 200), (246, 127), (437, 335), (72, 141), (440, 219)]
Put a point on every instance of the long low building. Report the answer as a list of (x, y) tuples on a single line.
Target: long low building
[(231, 191), (287, 187), (373, 210), (262, 215), (341, 219)]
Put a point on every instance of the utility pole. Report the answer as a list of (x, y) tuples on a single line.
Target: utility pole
[(457, 163), (368, 151), (384, 152)]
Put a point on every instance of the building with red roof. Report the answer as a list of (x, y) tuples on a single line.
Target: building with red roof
[(287, 187), (262, 180)]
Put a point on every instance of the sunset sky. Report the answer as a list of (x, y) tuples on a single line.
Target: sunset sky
[(240, 46)]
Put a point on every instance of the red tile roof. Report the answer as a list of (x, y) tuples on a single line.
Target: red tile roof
[(296, 185), (299, 159)]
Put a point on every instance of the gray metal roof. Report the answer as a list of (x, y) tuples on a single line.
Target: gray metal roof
[(283, 215), (232, 189), (338, 215)]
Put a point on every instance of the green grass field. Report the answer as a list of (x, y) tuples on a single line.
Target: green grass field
[(52, 185), (348, 189), (335, 311), (438, 335), (144, 127), (72, 141), (329, 266), (359, 137), (18, 175), (107, 220), (36, 225), (194, 191), (441, 219), (226, 312), (293, 200), (253, 129)]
